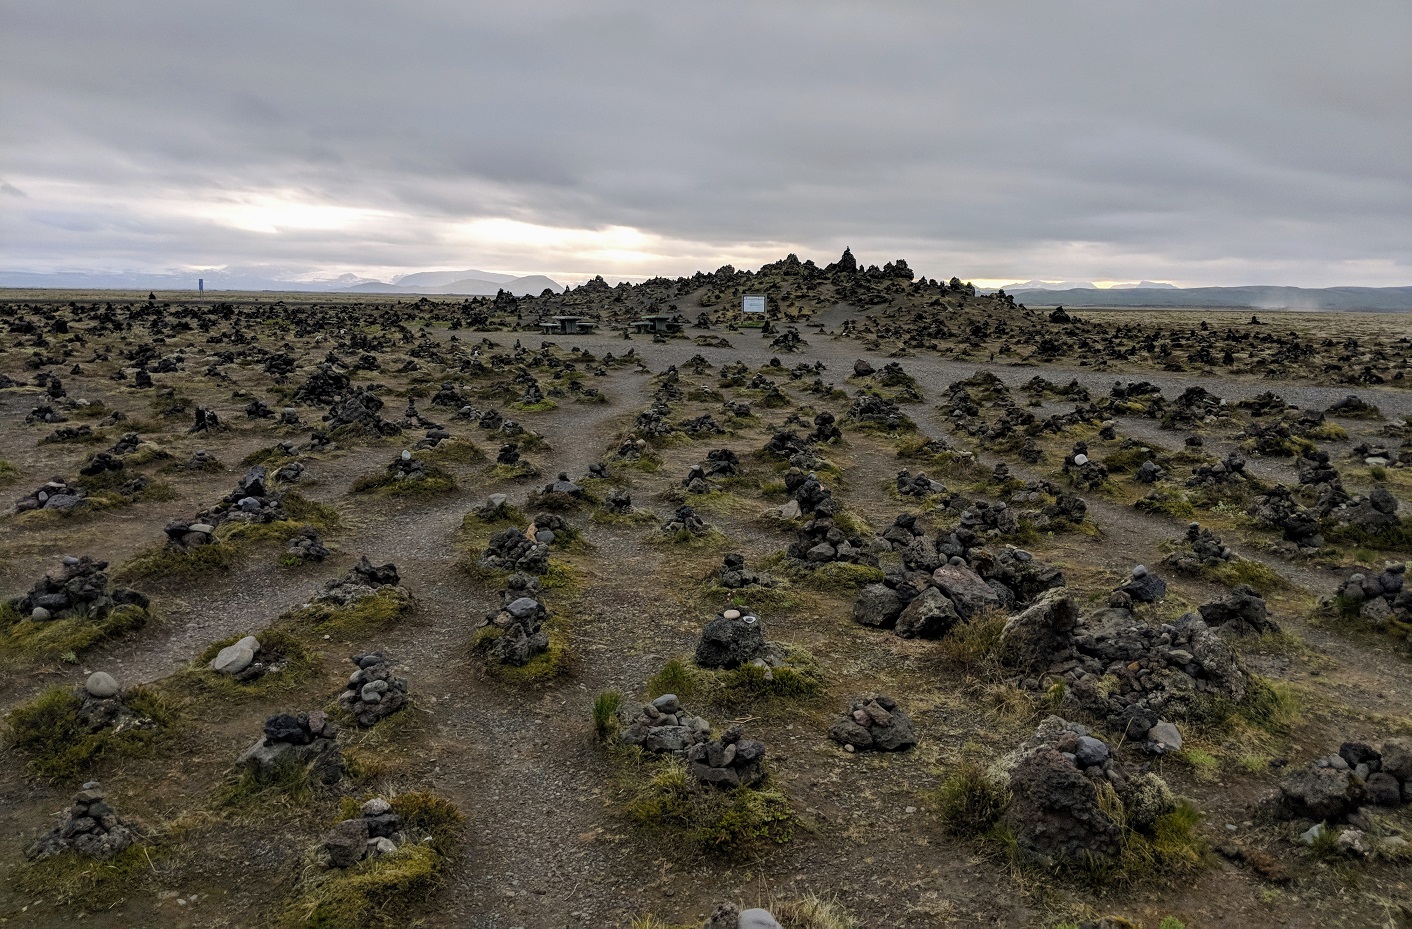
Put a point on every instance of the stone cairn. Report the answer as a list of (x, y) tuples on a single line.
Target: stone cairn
[(877, 724), (730, 761), (662, 727), (1277, 509), (364, 579), (685, 520), (730, 916), (101, 706), (308, 545), (307, 740), (90, 828), (407, 467), (373, 692), (925, 605), (81, 588), (375, 831), (1336, 788), (250, 502), (730, 640), (54, 494), (513, 550), (1204, 549), (1378, 598), (1056, 781), (734, 575), (1117, 668), (820, 541), (520, 622)]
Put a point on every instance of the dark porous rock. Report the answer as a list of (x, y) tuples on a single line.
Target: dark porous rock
[(734, 575), (878, 724), (80, 588), (1322, 794), (375, 831), (731, 761), (519, 635), (1242, 610), (1144, 586), (512, 550), (730, 640), (306, 740), (878, 606), (1031, 639), (930, 615), (966, 589), (1056, 781)]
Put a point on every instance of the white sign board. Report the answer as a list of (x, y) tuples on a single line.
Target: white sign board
[(753, 303)]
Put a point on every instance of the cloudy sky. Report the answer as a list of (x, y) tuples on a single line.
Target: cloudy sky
[(1194, 142)]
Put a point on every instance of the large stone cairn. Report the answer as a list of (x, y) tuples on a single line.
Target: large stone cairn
[(373, 692), (876, 411), (1130, 674), (81, 588), (1318, 474), (1225, 473), (360, 408), (1333, 788), (90, 828), (1372, 513), (730, 761), (364, 579), (307, 740), (877, 724), (1379, 598), (55, 494), (734, 575), (662, 727), (513, 550), (375, 831), (922, 605), (520, 620), (1064, 784)]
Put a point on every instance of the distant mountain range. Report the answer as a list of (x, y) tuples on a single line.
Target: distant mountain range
[(469, 283), (1083, 285), (1367, 299)]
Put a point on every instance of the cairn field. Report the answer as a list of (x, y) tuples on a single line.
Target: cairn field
[(902, 606)]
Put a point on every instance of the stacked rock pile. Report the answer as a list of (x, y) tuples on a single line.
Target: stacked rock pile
[(821, 541), (1082, 470), (825, 429), (1142, 586), (54, 494), (917, 485), (1241, 610), (375, 831), (1332, 788), (81, 588), (877, 724), (730, 761), (308, 545), (734, 575), (877, 411), (924, 605), (662, 727), (359, 408), (1056, 782), (1378, 598), (1223, 473), (1130, 674), (512, 550), (364, 579), (1277, 509), (373, 692), (685, 520), (1372, 513), (520, 622), (618, 502), (90, 828), (545, 528), (808, 497), (308, 740), (1204, 550), (407, 467), (250, 502)]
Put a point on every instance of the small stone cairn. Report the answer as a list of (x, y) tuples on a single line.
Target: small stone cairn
[(730, 761), (90, 828), (373, 692), (662, 727), (876, 724), (375, 831)]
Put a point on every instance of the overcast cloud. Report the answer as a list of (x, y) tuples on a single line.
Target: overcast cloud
[(1197, 142)]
